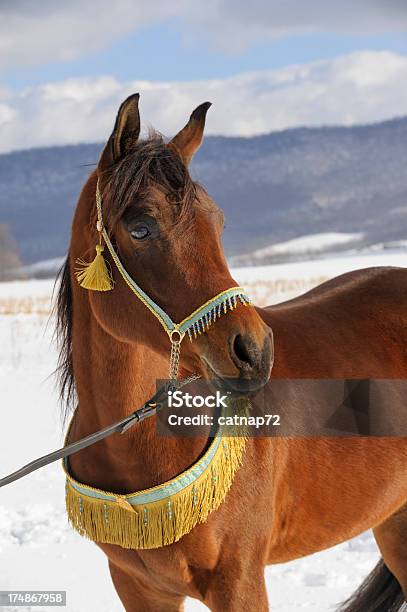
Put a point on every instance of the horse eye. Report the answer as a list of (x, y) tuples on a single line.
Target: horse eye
[(141, 232)]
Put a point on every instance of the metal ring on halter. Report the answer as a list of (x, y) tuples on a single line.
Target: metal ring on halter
[(173, 339)]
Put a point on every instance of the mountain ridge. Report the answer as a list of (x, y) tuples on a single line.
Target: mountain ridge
[(273, 187)]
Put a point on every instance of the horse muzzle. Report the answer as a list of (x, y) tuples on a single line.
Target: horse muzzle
[(250, 363)]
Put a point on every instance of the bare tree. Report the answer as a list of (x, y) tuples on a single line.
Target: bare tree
[(10, 262)]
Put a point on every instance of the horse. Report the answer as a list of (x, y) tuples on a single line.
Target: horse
[(292, 496)]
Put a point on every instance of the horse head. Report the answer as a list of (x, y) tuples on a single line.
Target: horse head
[(167, 232)]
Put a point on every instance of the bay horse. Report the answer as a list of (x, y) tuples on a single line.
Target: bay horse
[(292, 496)]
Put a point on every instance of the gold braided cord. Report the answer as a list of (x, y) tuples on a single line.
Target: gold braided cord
[(117, 261), (174, 359), (119, 266)]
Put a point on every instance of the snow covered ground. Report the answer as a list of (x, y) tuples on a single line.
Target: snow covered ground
[(38, 550), (310, 243)]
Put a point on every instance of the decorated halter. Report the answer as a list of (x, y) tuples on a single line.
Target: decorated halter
[(97, 276)]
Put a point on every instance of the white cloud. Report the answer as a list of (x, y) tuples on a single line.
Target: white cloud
[(7, 114), (234, 24), (49, 31), (357, 88)]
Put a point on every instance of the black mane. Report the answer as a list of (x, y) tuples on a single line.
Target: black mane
[(64, 317)]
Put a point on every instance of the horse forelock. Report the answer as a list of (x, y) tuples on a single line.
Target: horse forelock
[(150, 163)]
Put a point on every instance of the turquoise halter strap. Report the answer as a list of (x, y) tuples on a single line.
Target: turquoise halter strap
[(197, 322)]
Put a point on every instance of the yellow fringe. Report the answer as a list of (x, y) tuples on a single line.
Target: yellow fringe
[(95, 275), (158, 523)]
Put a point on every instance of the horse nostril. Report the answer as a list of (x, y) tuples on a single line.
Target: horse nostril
[(241, 351)]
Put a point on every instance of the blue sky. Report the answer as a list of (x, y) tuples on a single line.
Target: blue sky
[(160, 52), (65, 67)]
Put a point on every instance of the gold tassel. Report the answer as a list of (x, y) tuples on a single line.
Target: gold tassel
[(95, 275)]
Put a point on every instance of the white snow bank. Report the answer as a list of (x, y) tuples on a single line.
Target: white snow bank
[(310, 243)]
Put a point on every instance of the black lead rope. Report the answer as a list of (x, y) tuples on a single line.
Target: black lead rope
[(147, 410)]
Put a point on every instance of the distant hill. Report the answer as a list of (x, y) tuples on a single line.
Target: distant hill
[(273, 188)]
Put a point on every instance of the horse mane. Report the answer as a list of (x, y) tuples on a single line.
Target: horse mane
[(151, 162), (63, 309)]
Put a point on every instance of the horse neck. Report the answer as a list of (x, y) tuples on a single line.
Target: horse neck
[(112, 379)]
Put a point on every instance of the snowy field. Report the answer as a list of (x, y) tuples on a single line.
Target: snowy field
[(38, 550)]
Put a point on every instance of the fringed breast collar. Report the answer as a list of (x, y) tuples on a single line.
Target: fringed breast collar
[(162, 514)]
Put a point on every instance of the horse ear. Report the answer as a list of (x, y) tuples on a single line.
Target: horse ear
[(189, 139), (125, 132)]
